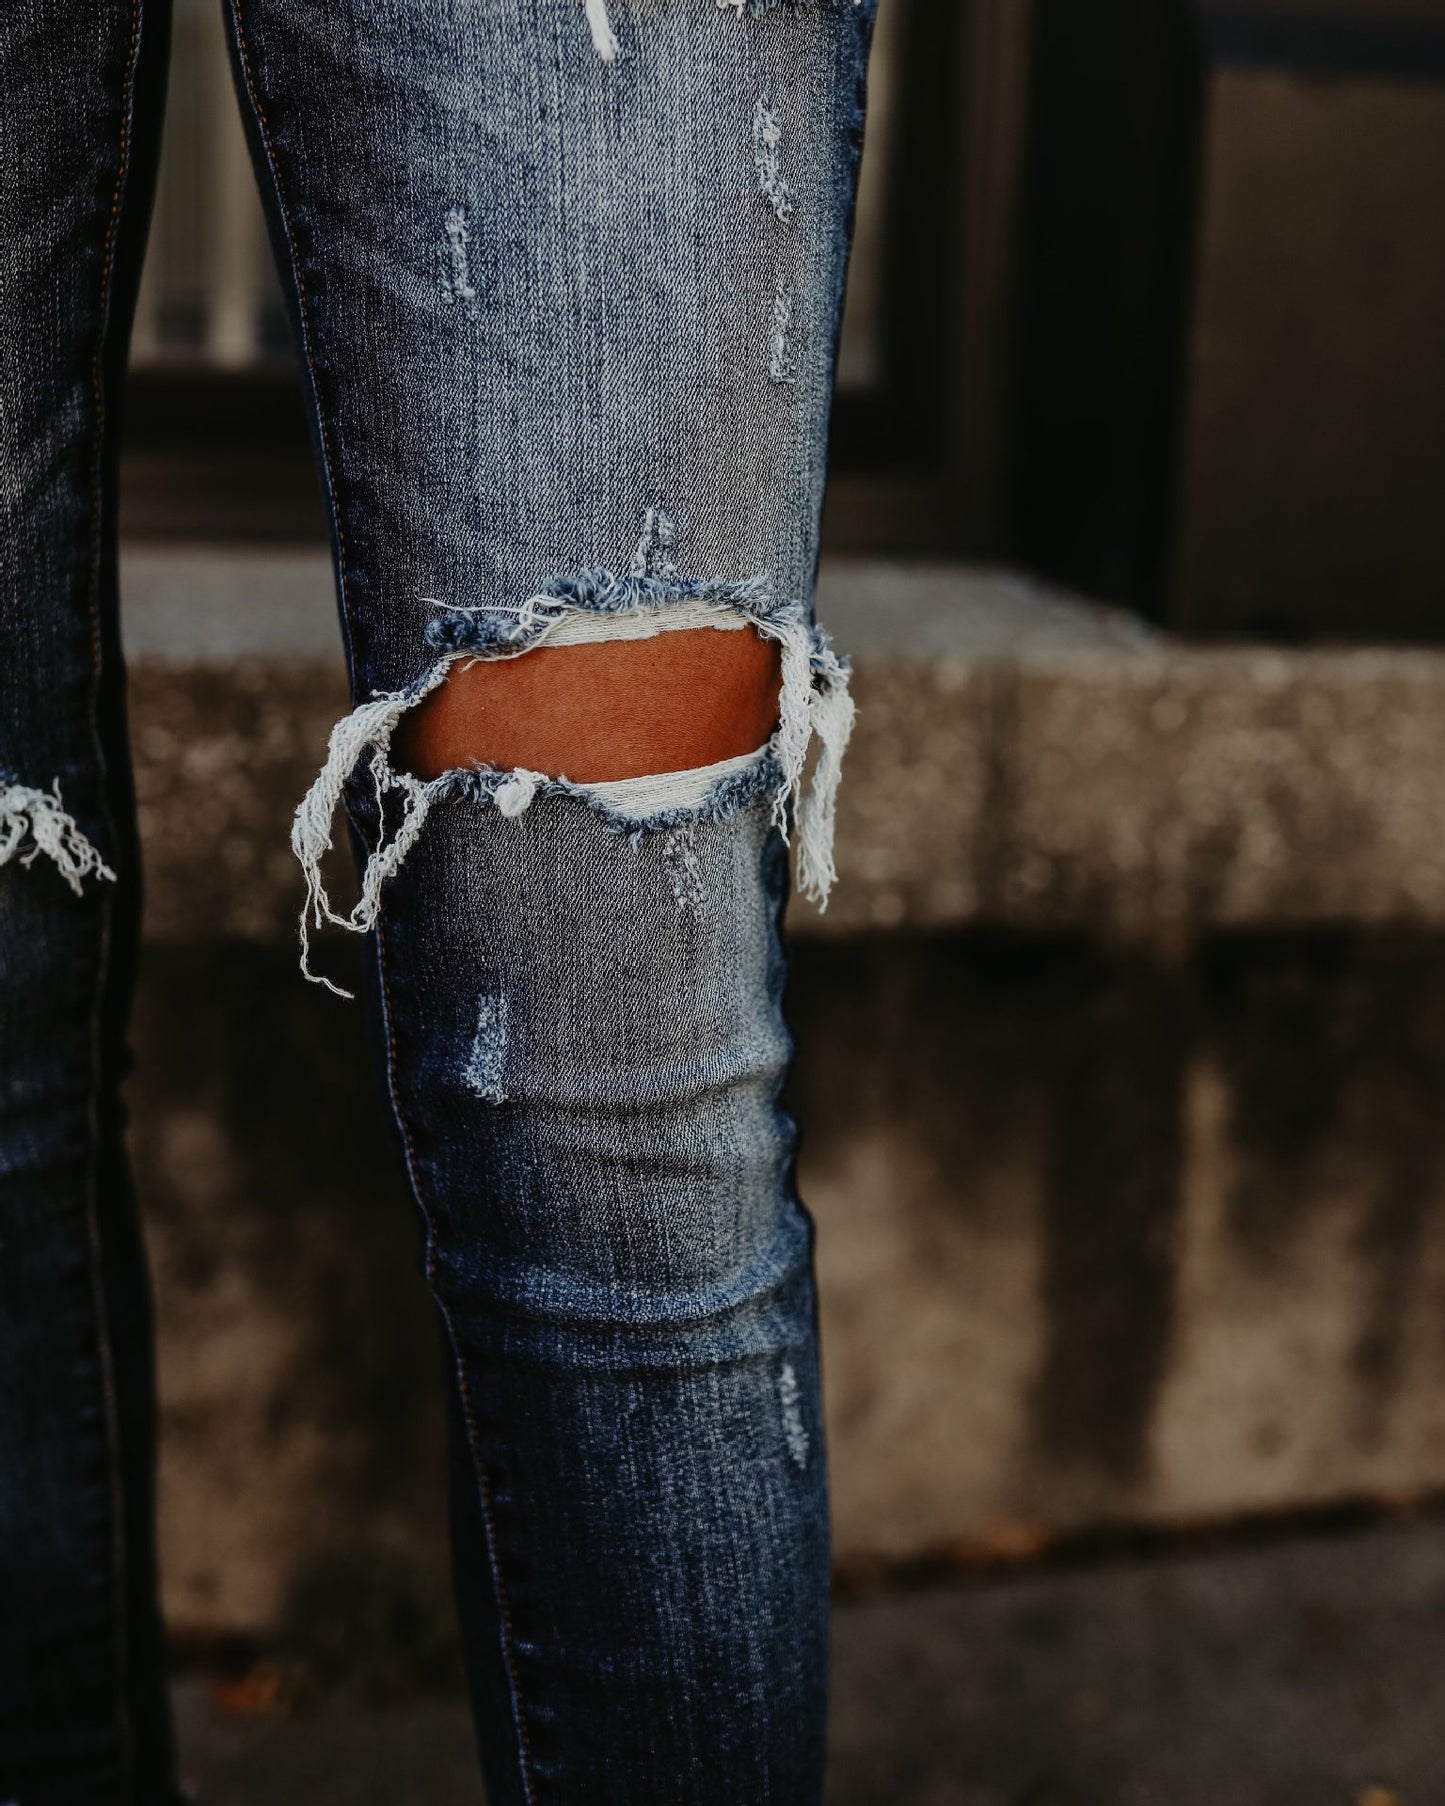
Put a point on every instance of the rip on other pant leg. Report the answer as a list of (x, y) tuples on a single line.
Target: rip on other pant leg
[(33, 822), (584, 608)]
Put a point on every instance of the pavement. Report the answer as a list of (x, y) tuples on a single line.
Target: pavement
[(1308, 1670)]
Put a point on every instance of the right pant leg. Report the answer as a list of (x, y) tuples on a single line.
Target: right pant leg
[(566, 281), (83, 1715)]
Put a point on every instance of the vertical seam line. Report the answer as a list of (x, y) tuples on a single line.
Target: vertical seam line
[(105, 1350), (484, 1490), (303, 312)]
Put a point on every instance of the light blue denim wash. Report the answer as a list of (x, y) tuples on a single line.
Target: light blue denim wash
[(565, 279)]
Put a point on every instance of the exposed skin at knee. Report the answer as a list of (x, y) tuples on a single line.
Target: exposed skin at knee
[(601, 711)]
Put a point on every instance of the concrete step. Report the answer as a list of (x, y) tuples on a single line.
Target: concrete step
[(1022, 759)]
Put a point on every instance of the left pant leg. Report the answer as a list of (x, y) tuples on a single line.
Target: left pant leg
[(568, 321), (84, 1713)]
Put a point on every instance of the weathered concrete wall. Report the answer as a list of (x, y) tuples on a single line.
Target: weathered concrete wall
[(1107, 1237), (1120, 1073), (1103, 1238)]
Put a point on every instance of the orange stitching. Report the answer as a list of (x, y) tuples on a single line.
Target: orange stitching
[(484, 1487)]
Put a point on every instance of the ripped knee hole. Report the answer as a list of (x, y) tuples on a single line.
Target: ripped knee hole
[(600, 711), (654, 699)]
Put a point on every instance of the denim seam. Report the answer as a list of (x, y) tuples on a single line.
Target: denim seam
[(303, 312), (105, 1351), (484, 1489)]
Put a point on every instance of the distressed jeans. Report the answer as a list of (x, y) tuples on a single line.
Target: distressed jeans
[(564, 280)]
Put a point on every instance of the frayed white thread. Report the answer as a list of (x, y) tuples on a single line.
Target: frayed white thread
[(604, 39), (371, 725), (513, 796), (539, 623), (832, 714), (814, 701), (582, 626), (39, 816), (653, 557), (535, 618), (668, 792), (768, 156)]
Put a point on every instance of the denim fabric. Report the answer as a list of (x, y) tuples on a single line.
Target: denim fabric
[(565, 283), (82, 1709)]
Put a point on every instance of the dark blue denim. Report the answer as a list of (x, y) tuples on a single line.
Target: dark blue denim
[(565, 280)]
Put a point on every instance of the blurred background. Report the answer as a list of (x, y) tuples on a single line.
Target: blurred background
[(1122, 1045)]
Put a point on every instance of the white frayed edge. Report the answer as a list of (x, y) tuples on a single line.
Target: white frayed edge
[(669, 792), (604, 39), (515, 792), (39, 816), (548, 621), (372, 725), (814, 702)]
